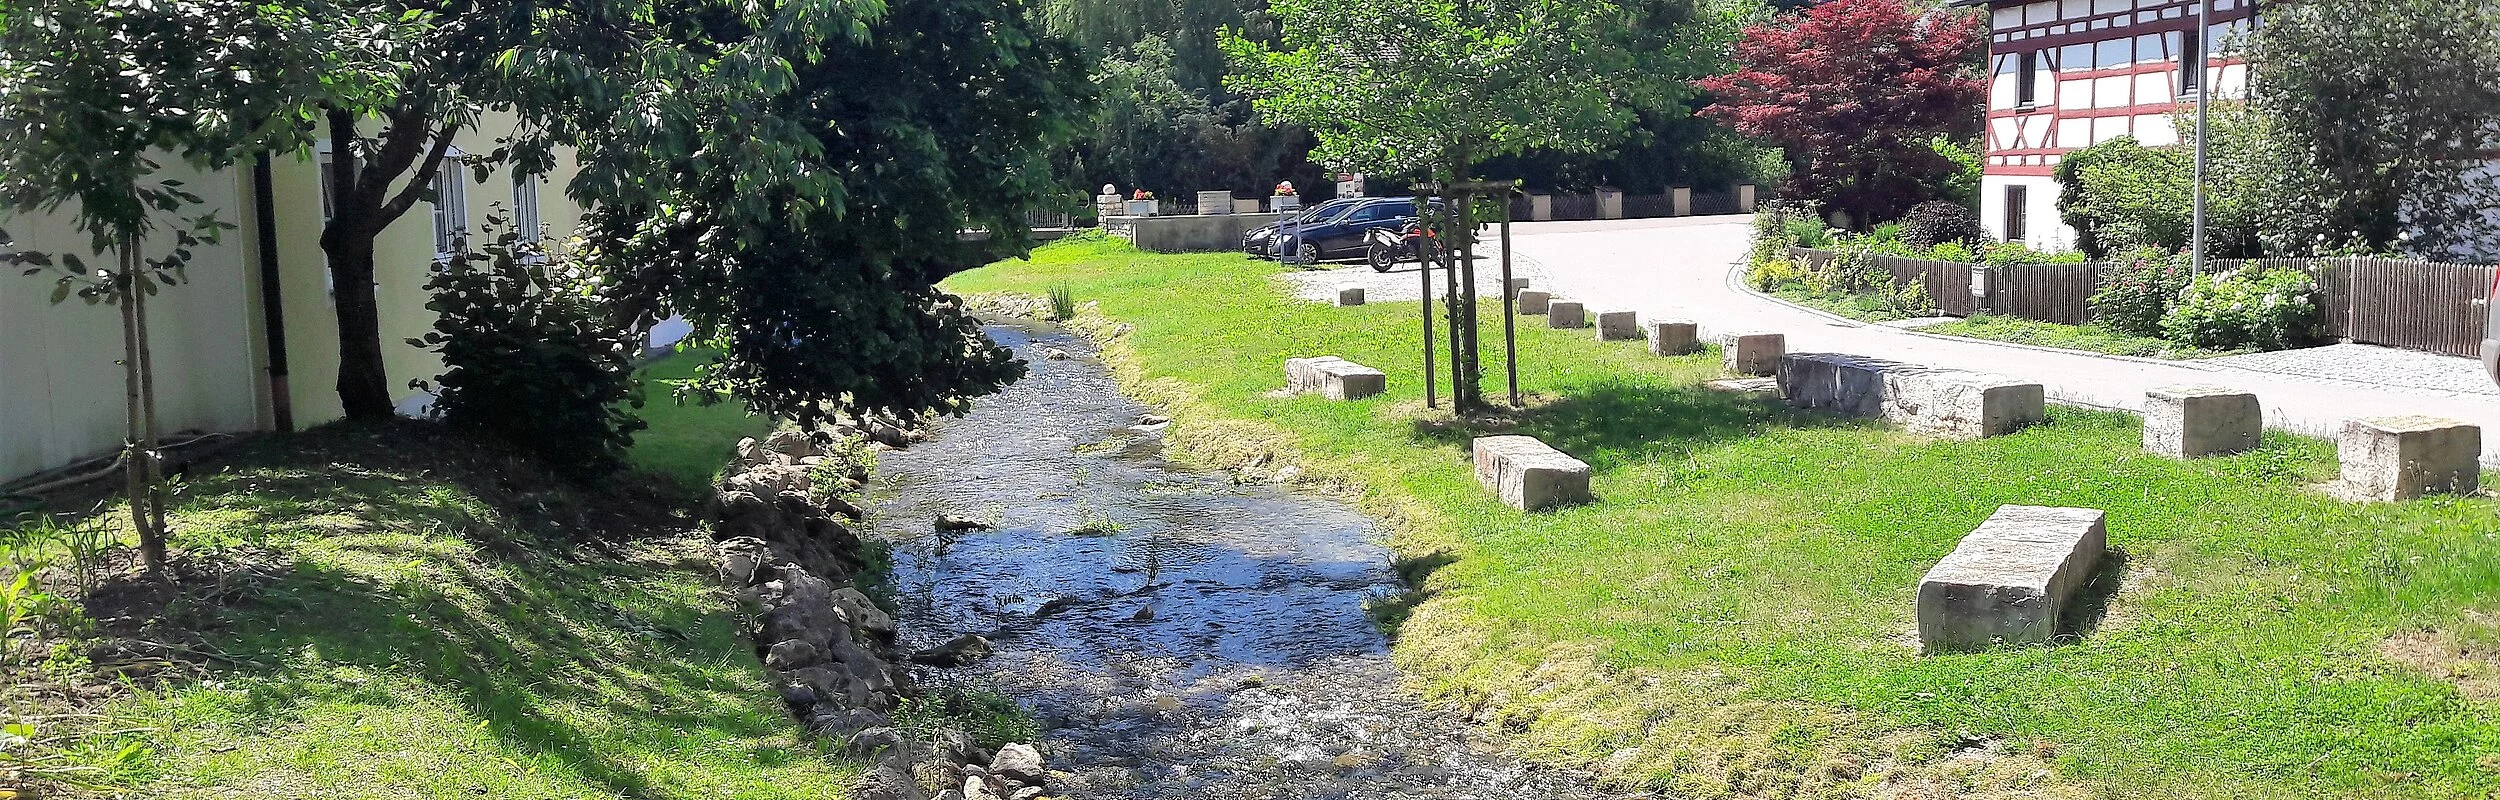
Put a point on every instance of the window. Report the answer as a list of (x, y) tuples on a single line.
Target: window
[(2191, 61), (451, 208), (2027, 78), (525, 220), (2017, 200)]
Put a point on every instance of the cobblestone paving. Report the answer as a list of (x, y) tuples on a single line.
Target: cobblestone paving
[(2374, 365)]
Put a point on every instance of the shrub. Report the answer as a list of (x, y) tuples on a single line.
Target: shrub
[(2009, 254), (1935, 223), (1809, 231), (1771, 233), (1952, 251), (2271, 310), (530, 356), (2136, 293), (1773, 274)]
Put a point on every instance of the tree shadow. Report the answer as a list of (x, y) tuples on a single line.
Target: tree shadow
[(1613, 421)]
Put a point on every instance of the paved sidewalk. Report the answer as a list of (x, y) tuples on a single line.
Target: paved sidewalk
[(1684, 268)]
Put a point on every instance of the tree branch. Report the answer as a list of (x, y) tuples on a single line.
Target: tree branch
[(424, 175)]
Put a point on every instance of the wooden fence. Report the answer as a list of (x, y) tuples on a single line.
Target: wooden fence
[(2416, 305)]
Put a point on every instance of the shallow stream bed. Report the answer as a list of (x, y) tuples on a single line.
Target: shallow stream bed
[(1179, 635)]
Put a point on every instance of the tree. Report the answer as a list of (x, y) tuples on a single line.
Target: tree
[(1432, 88), (1152, 132), (837, 311), (2382, 110), (2120, 195), (637, 85), (1856, 91), (94, 93)]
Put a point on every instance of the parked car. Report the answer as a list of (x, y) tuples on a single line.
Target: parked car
[(1346, 234), (1260, 242)]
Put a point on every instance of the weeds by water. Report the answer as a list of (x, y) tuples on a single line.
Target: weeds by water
[(1097, 524), (988, 715), (1062, 303)]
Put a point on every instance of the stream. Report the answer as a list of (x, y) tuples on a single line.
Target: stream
[(1178, 635)]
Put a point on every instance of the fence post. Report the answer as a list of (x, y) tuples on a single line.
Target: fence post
[(1744, 198)]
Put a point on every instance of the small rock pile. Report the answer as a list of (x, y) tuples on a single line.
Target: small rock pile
[(827, 648)]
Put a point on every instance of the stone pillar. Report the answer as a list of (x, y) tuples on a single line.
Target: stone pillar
[(1565, 314), (1610, 204), (1754, 353), (1349, 294), (1532, 301), (2008, 581), (1744, 198), (1110, 205), (1215, 202), (1682, 199), (1245, 206), (1618, 326), (1674, 337), (2403, 458), (2200, 421), (1540, 208)]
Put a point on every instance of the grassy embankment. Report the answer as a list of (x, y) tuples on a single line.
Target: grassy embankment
[(2091, 338), (406, 616), (1734, 616)]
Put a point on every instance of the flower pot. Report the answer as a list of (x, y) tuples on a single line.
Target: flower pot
[(1143, 208)]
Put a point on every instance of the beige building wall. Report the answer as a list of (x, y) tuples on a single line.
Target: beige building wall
[(61, 396)]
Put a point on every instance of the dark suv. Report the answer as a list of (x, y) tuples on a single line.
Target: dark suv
[(1260, 242), (1344, 233)]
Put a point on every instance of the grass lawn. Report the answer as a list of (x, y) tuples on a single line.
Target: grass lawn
[(2093, 338), (688, 443), (429, 620), (1734, 617)]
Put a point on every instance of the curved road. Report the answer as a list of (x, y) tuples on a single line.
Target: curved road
[(1683, 267)]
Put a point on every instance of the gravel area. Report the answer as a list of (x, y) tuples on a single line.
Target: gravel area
[(1320, 286), (2374, 365)]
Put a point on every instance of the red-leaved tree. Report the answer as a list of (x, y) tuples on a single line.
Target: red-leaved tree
[(1855, 91)]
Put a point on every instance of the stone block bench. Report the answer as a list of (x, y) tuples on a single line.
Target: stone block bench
[(1349, 294), (1534, 302), (1566, 314), (2403, 458), (1334, 378), (1618, 326), (1674, 337), (2200, 421), (1528, 475), (1924, 400), (1753, 352), (2008, 581)]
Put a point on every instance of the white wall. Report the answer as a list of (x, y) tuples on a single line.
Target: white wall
[(2042, 228), (61, 386)]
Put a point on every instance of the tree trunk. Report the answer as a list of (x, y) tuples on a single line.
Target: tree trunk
[(364, 385), (134, 466), (149, 442)]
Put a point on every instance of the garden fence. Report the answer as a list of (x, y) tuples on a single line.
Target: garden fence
[(2416, 305)]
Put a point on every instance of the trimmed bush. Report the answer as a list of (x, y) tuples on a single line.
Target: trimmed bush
[(2135, 294), (1936, 222), (2272, 310)]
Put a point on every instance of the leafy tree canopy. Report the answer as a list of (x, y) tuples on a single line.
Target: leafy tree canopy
[(1433, 87), (837, 311), (1856, 92)]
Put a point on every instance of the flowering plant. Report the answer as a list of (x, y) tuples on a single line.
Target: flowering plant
[(2269, 310), (1142, 195), (1284, 189)]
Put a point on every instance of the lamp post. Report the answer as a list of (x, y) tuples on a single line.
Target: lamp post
[(2204, 97)]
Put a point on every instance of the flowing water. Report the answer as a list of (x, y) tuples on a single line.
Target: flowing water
[(1179, 636)]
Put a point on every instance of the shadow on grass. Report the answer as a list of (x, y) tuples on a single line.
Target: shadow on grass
[(1613, 421), (2091, 602), (417, 556)]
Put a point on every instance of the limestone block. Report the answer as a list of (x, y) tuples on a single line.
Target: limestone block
[(2402, 458), (1754, 353), (1674, 337), (1518, 285), (1566, 314), (2200, 421), (1349, 294), (1529, 475), (1532, 301), (1617, 326), (1333, 378), (1215, 202), (1936, 402), (2008, 581)]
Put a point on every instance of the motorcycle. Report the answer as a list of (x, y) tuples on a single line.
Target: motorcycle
[(1414, 243)]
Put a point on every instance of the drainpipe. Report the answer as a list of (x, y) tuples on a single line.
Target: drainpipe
[(272, 296)]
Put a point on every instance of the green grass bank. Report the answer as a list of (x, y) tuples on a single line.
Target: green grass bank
[(1734, 617), (383, 613)]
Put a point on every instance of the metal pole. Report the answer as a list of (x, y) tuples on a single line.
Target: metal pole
[(2204, 97), (1458, 345), (1423, 268), (1510, 325)]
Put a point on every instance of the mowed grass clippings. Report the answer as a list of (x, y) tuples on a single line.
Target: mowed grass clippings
[(450, 623), (1735, 616)]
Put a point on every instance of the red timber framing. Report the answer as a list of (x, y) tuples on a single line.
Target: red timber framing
[(2067, 74)]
